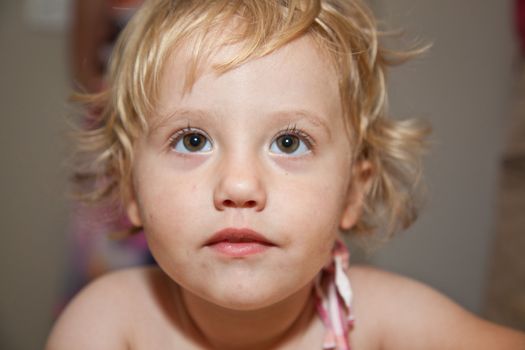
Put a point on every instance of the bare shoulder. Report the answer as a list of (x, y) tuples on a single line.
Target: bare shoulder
[(99, 316), (406, 314)]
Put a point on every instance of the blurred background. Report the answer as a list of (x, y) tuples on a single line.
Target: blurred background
[(468, 242)]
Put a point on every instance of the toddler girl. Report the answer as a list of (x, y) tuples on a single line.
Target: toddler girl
[(245, 137)]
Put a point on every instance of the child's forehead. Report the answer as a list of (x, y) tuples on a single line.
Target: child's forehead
[(226, 47), (296, 70)]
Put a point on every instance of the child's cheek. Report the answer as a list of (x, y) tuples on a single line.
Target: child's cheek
[(185, 161), (292, 164)]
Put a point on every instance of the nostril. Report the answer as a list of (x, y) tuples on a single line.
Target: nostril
[(228, 203), (250, 204)]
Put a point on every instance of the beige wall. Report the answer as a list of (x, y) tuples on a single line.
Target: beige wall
[(33, 216), (461, 86)]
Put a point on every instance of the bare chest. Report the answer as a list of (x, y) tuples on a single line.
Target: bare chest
[(172, 335), (165, 331)]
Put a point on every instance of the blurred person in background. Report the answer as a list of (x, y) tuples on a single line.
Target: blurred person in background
[(95, 27)]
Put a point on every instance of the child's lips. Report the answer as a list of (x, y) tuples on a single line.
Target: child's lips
[(238, 236), (237, 243)]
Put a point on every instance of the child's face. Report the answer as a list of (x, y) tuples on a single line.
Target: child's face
[(266, 150)]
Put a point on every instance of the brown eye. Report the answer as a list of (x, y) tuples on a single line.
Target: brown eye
[(194, 142), (288, 143), (191, 142)]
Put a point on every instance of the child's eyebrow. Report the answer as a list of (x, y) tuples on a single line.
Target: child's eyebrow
[(164, 120), (302, 114), (283, 116)]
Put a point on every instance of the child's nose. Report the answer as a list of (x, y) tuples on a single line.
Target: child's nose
[(239, 186)]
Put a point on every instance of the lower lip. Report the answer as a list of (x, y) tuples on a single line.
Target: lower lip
[(240, 249)]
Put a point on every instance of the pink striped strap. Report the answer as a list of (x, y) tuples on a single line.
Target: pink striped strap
[(333, 299)]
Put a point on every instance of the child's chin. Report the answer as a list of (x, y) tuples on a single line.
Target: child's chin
[(247, 300), (246, 305)]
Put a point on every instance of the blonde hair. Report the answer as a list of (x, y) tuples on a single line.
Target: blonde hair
[(347, 32)]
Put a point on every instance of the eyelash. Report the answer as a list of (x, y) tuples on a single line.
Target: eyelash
[(183, 132), (290, 130), (298, 132)]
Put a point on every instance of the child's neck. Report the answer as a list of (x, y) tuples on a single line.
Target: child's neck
[(276, 326)]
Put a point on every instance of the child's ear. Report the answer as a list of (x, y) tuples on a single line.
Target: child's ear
[(362, 173), (132, 209)]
